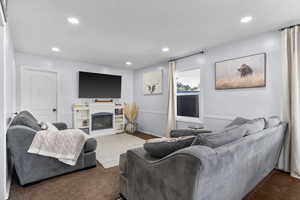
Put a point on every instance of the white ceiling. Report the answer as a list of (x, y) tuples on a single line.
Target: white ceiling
[(112, 32)]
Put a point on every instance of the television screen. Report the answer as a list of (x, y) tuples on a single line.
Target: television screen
[(93, 85)]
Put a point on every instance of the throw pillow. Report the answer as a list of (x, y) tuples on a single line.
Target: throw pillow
[(24, 120), (238, 121), (29, 115), (51, 127), (255, 126), (223, 137), (273, 121), (161, 147)]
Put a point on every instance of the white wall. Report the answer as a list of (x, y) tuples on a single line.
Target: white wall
[(153, 108), (10, 91), (10, 76), (219, 107), (68, 80), (2, 116)]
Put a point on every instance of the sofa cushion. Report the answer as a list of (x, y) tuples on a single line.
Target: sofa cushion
[(161, 147), (28, 114), (225, 136), (238, 121), (273, 121), (26, 119), (255, 126), (90, 145)]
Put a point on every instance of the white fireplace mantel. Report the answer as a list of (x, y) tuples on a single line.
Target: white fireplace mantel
[(82, 117)]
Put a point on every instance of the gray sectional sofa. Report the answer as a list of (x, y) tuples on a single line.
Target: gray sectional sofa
[(31, 168), (227, 172)]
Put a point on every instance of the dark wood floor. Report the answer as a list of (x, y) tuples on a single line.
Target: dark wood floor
[(103, 184)]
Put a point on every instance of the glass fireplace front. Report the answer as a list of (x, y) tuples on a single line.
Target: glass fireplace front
[(102, 120)]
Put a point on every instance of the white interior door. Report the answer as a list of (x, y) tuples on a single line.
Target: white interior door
[(39, 94)]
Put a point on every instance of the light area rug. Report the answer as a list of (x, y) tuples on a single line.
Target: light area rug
[(109, 148)]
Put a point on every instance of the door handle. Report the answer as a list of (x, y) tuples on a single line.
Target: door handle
[(54, 110)]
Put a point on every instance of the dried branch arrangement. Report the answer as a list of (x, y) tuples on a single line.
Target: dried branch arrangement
[(131, 111)]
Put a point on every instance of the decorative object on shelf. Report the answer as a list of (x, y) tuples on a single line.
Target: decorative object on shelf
[(152, 82), (130, 112), (243, 72)]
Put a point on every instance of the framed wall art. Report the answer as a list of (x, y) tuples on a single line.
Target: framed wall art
[(243, 72)]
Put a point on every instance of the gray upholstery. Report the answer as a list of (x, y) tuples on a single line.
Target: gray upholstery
[(60, 125), (198, 172), (123, 163), (31, 168), (164, 147), (255, 126), (238, 121), (26, 119), (226, 136), (90, 145), (273, 121), (187, 132)]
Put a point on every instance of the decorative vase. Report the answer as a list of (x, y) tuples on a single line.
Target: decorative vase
[(131, 127)]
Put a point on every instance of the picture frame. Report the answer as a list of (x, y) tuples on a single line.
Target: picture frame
[(152, 82), (242, 72)]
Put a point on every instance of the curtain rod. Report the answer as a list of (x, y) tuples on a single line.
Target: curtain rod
[(186, 56), (292, 26)]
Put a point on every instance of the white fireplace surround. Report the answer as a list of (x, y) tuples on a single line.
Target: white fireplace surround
[(98, 108), (83, 113)]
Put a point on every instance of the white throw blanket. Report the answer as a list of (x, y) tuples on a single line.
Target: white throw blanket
[(65, 145)]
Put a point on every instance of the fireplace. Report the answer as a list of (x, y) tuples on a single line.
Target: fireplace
[(102, 120)]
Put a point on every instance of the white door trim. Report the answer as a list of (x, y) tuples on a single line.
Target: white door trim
[(24, 68)]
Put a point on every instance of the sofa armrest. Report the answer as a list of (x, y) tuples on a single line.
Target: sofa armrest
[(187, 132), (19, 138), (60, 125), (178, 172), (90, 145), (32, 167)]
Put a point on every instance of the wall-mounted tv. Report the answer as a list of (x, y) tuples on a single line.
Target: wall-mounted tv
[(93, 85)]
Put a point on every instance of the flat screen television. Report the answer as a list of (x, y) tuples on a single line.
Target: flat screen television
[(93, 85)]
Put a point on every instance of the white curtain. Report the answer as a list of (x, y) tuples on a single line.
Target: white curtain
[(171, 123), (290, 156)]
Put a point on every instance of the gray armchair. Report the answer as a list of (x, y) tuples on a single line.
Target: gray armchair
[(31, 168)]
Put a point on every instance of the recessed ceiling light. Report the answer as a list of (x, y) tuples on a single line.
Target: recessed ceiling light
[(55, 49), (73, 20), (128, 63), (165, 49), (246, 19)]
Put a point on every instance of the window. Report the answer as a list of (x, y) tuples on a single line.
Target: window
[(188, 91)]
